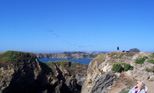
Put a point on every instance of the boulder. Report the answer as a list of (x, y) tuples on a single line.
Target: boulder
[(103, 84)]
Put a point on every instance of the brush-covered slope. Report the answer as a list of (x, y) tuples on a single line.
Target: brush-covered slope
[(117, 72), (21, 72)]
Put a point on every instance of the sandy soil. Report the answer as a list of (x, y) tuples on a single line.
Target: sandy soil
[(121, 84), (150, 85)]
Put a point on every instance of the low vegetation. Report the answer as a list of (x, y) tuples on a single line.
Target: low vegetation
[(149, 70), (119, 67), (14, 56), (151, 61), (152, 55), (119, 55), (63, 64), (52, 66), (141, 60), (127, 67), (124, 91), (99, 59), (72, 67)]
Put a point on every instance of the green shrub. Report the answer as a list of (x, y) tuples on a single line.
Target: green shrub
[(124, 91), (131, 68), (141, 60), (149, 70), (152, 55), (151, 61), (117, 68), (127, 67), (145, 57), (14, 56)]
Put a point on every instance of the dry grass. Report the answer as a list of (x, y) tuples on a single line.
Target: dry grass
[(123, 84)]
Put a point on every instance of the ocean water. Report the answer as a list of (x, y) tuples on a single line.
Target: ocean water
[(84, 61)]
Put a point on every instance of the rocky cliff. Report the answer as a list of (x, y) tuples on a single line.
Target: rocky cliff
[(114, 72), (67, 55), (117, 72), (23, 73)]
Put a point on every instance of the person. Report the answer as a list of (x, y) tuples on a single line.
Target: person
[(146, 89), (139, 88), (117, 48)]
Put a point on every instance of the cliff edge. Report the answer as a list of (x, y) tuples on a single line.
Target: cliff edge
[(118, 72), (22, 72)]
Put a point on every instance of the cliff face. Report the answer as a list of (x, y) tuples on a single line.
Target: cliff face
[(23, 73), (68, 55), (70, 74), (117, 72), (107, 73)]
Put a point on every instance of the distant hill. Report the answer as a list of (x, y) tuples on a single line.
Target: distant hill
[(69, 55)]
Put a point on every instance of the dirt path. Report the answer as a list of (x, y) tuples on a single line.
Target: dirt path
[(122, 83), (150, 85)]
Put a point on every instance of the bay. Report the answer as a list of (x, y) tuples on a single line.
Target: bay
[(83, 61)]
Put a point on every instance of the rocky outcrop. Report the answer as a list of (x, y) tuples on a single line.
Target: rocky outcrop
[(101, 78), (134, 50), (71, 74), (103, 84), (23, 73)]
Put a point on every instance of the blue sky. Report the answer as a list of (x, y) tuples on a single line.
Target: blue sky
[(76, 25)]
